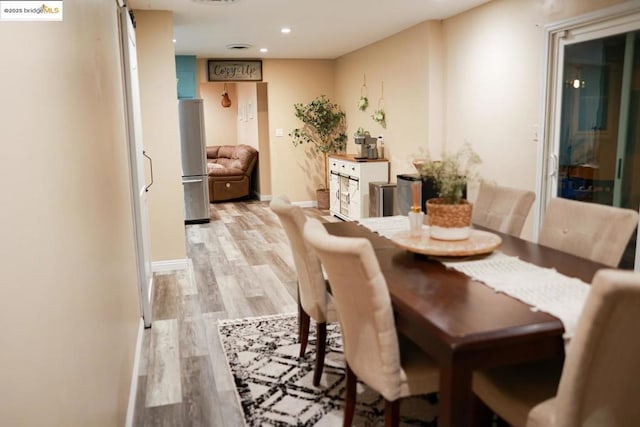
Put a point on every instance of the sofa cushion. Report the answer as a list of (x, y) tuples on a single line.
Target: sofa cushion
[(217, 169), (240, 157)]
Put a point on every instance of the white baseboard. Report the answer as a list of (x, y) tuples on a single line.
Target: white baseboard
[(306, 204), (133, 390), (265, 198), (170, 265)]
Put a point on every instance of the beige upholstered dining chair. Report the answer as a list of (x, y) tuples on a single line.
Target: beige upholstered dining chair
[(598, 385), (373, 351), (314, 300), (589, 230), (502, 209)]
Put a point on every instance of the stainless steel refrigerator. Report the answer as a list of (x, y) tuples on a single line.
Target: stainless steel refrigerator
[(195, 181)]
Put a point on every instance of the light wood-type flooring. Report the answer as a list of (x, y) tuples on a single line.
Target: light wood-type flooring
[(241, 267)]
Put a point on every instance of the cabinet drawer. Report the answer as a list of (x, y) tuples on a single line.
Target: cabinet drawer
[(336, 165), (353, 169)]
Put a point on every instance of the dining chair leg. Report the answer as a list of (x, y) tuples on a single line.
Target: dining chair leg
[(391, 413), (321, 345), (304, 331), (350, 397), (300, 311), (481, 414)]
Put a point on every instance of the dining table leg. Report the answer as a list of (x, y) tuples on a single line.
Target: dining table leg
[(454, 403)]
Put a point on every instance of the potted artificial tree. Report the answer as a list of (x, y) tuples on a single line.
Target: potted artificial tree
[(449, 215), (324, 126)]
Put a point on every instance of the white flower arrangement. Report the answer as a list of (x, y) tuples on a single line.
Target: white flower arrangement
[(379, 117), (363, 103)]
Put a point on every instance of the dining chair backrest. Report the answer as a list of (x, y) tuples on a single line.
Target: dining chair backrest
[(503, 209), (311, 283), (589, 230), (599, 384), (361, 295)]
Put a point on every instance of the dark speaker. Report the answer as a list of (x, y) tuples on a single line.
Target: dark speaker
[(381, 199), (427, 189), (405, 197)]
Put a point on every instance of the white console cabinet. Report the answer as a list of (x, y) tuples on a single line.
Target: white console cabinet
[(349, 184)]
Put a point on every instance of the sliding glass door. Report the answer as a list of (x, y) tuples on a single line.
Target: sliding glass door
[(597, 150), (594, 143)]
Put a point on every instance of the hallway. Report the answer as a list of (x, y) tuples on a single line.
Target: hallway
[(241, 267)]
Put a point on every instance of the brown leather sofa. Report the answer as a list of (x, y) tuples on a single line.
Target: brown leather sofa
[(230, 168)]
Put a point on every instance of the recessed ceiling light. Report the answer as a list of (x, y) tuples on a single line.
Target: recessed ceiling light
[(264, 50), (174, 40), (285, 30)]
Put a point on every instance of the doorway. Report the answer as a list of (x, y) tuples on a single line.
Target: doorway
[(593, 142), (244, 120)]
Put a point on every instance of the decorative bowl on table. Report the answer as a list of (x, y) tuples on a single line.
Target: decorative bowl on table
[(479, 242)]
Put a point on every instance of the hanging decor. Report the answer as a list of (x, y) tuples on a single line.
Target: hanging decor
[(379, 115), (226, 101), (363, 103)]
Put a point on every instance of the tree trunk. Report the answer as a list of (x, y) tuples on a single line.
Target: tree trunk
[(326, 175)]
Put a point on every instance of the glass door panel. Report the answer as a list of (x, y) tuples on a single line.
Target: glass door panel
[(599, 147)]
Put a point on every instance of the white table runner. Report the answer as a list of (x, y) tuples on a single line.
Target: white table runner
[(387, 225), (543, 289)]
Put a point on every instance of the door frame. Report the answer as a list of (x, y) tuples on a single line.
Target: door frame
[(136, 169), (617, 19)]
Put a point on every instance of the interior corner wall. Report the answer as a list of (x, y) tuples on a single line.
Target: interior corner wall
[(69, 305), (220, 123), (295, 171), (161, 135), (494, 83), (263, 187), (410, 66)]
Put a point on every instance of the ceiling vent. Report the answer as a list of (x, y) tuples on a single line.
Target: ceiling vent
[(238, 46)]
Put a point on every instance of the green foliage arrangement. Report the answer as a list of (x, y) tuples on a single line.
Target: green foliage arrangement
[(380, 117), (324, 126), (363, 103), (361, 132), (452, 173)]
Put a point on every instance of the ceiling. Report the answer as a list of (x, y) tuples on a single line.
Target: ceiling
[(321, 29)]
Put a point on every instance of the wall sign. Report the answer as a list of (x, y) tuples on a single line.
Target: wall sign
[(224, 70)]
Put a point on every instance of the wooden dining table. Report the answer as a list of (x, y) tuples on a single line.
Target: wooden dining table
[(463, 324)]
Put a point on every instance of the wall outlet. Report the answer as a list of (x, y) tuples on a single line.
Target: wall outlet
[(279, 132)]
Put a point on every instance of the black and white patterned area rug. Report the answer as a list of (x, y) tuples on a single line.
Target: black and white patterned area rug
[(275, 385)]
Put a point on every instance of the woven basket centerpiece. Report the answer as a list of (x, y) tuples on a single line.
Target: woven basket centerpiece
[(448, 221)]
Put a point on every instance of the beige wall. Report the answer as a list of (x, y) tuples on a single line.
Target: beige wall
[(69, 305), (295, 171), (221, 126), (494, 83), (410, 65), (247, 105), (263, 187), (161, 135)]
